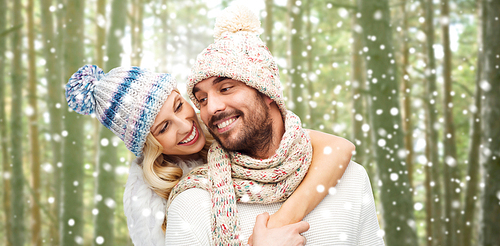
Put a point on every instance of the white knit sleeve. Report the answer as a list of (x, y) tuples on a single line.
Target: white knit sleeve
[(188, 221), (144, 209), (369, 233)]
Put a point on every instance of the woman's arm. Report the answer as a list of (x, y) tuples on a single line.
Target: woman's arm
[(331, 155)]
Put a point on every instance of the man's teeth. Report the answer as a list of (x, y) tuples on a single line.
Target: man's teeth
[(191, 137), (225, 123)]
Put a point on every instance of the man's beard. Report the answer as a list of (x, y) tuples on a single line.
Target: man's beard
[(255, 135)]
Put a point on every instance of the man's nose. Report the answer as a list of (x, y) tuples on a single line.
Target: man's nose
[(215, 104)]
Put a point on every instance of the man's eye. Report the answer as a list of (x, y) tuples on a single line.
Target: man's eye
[(202, 100), (225, 89)]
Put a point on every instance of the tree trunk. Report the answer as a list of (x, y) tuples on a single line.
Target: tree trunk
[(54, 101), (309, 70), (490, 113), (163, 44), (358, 78), (452, 197), (36, 235), (103, 221), (471, 193), (100, 33), (429, 208), (406, 99), (189, 35), (3, 132), (268, 31), (137, 30), (18, 199), (297, 82), (100, 42), (72, 170), (433, 164), (383, 104)]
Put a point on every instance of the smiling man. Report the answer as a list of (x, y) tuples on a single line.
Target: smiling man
[(239, 117), (235, 84)]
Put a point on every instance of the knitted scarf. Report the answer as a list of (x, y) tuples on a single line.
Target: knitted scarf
[(232, 177)]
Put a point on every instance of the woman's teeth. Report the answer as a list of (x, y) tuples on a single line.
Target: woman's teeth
[(226, 123), (191, 137)]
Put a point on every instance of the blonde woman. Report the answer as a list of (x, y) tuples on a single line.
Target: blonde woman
[(157, 124)]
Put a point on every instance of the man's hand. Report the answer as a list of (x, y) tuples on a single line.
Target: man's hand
[(286, 235)]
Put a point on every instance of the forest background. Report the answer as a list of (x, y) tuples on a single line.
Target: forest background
[(414, 84)]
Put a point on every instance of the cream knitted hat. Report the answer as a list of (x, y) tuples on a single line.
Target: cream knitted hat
[(126, 100), (238, 53)]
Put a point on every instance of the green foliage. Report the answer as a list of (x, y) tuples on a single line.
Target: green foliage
[(176, 31)]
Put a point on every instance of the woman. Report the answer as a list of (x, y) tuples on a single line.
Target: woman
[(153, 120)]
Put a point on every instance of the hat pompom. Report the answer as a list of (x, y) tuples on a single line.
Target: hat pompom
[(234, 19), (80, 89)]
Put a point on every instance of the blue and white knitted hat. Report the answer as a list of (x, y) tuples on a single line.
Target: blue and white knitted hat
[(126, 100)]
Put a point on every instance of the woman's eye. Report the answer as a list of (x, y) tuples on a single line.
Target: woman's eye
[(179, 107), (225, 89), (164, 128)]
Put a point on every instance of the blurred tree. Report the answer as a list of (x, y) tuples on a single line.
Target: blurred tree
[(100, 35), (383, 105), (430, 226), (405, 90), (100, 47), (18, 198), (471, 193), (3, 131), (190, 52), (71, 218), (54, 101), (36, 225), (136, 26), (359, 115), (268, 30), (59, 44), (309, 67), (105, 183), (164, 39), (450, 171), (490, 113), (297, 83), (434, 197)]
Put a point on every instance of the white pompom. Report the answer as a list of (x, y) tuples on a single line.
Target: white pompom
[(234, 19)]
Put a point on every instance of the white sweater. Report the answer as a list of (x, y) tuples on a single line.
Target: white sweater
[(144, 209), (346, 216)]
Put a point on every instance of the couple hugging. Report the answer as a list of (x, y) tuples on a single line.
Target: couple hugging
[(215, 181)]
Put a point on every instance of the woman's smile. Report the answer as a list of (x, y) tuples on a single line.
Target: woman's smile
[(192, 137)]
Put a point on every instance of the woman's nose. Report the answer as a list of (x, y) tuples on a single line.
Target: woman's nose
[(183, 125)]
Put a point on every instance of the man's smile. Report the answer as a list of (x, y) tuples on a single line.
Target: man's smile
[(226, 124)]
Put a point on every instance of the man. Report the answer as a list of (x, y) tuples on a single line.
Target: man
[(235, 84)]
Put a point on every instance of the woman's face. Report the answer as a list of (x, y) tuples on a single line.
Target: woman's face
[(176, 127)]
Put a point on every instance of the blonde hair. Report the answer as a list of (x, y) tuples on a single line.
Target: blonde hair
[(160, 170)]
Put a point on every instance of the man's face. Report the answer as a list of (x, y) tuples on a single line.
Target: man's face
[(236, 114)]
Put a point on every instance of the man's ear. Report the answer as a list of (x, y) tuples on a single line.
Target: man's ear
[(268, 100)]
